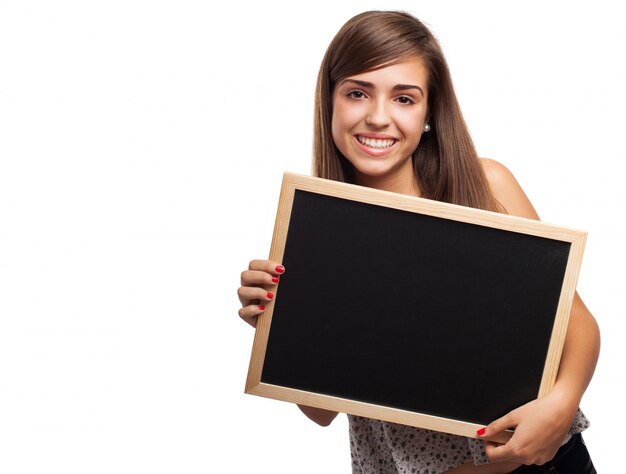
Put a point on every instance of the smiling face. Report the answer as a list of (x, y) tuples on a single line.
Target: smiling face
[(377, 122)]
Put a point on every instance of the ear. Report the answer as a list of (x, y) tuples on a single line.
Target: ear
[(427, 124)]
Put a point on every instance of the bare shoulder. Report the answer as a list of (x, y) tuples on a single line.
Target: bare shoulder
[(506, 189)]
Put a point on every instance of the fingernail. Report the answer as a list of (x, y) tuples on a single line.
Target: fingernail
[(270, 295), (280, 269), (274, 279), (261, 307), (481, 431)]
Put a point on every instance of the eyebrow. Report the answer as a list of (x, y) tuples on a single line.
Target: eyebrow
[(397, 87)]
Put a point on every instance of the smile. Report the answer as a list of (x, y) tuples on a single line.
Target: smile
[(375, 142)]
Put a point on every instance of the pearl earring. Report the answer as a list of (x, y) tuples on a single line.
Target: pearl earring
[(426, 127)]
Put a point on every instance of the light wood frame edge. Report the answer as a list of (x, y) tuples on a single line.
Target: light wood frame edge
[(293, 182), (277, 249), (369, 410), (561, 321)]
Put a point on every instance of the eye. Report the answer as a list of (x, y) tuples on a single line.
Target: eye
[(356, 94), (405, 100)]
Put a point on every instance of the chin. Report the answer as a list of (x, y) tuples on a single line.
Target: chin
[(374, 170), (371, 174)]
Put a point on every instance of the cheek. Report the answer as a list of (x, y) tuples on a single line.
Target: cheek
[(342, 122), (411, 126), (346, 115)]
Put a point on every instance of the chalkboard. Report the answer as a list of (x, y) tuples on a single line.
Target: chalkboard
[(409, 310)]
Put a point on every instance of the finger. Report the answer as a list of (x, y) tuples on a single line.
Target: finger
[(267, 266), (519, 452), (251, 313), (510, 451), (257, 277), (500, 452), (249, 293), (498, 426)]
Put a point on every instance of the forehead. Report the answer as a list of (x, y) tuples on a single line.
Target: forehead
[(410, 71)]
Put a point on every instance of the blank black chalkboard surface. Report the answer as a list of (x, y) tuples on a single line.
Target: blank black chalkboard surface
[(409, 310)]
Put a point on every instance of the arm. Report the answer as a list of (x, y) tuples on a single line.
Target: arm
[(318, 415), (541, 425)]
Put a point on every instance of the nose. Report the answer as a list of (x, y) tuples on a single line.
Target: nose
[(378, 114)]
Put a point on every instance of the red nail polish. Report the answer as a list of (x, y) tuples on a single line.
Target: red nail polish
[(280, 269), (481, 431), (274, 279), (270, 295), (261, 307)]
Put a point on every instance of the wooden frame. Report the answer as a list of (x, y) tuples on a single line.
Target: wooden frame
[(465, 221)]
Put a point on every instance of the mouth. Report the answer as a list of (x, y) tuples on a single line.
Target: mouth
[(376, 143)]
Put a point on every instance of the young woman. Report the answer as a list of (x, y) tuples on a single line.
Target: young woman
[(386, 117)]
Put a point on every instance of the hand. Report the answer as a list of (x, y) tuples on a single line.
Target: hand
[(256, 287), (540, 427)]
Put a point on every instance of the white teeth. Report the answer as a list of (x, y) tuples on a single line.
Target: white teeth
[(375, 143)]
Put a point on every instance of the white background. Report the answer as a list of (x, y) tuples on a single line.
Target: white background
[(142, 146)]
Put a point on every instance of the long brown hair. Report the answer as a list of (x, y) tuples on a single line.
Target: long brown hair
[(445, 162)]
